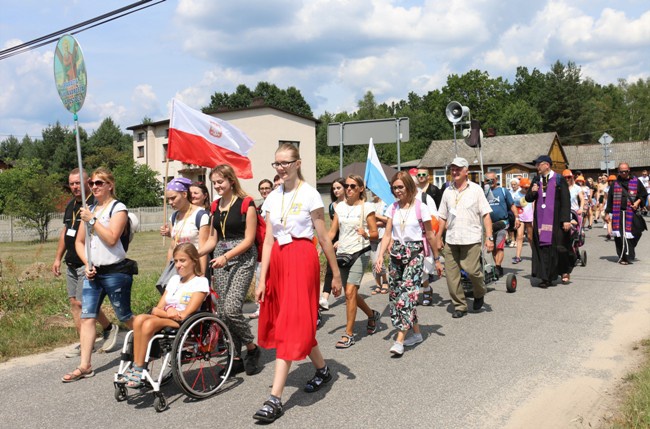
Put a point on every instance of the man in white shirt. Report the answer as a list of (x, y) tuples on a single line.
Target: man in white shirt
[(645, 181), (464, 213)]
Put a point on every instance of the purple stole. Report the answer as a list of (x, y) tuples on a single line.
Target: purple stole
[(545, 211), (616, 206)]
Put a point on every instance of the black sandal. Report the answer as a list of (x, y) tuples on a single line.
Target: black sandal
[(322, 376), (374, 319), (269, 412), (427, 297)]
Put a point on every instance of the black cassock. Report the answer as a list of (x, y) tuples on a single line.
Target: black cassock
[(558, 258)]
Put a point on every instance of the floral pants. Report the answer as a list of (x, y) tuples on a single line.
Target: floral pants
[(404, 278)]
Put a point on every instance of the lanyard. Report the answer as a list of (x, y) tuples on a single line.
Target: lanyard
[(100, 213), (75, 214), (180, 230), (283, 217), (459, 193), (222, 223)]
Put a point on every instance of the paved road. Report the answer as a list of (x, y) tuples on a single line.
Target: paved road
[(471, 372)]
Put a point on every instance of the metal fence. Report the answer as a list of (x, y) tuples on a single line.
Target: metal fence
[(11, 228)]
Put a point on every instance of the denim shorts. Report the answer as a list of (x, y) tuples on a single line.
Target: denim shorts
[(118, 288), (75, 279)]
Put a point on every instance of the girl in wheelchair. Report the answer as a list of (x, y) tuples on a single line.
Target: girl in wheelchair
[(183, 296)]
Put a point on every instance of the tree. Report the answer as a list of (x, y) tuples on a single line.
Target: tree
[(110, 135), (10, 148), (519, 118), (290, 99), (31, 194), (136, 184)]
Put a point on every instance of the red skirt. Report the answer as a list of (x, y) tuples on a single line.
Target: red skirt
[(288, 314)]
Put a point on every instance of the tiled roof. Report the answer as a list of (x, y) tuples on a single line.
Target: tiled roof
[(589, 156), (499, 150)]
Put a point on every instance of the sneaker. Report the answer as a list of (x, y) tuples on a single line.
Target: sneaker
[(412, 340), (252, 361), (110, 338), (322, 302), (397, 349), (256, 314), (512, 244)]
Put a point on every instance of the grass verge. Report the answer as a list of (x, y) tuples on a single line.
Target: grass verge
[(635, 411)]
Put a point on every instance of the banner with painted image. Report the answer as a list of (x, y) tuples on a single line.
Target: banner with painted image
[(70, 73)]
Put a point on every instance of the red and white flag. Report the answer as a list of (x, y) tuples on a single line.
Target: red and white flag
[(200, 139)]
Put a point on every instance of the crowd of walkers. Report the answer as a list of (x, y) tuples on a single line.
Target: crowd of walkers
[(407, 243)]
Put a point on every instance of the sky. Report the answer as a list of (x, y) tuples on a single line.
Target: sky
[(333, 51)]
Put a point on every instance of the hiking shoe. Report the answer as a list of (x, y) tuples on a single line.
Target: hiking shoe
[(252, 361), (322, 302), (322, 376), (397, 349), (110, 338), (413, 340)]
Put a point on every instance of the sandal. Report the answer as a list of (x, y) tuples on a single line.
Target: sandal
[(427, 297), (321, 377), (384, 289), (372, 322), (566, 278), (624, 263), (376, 290), (345, 343), (73, 376), (270, 411), (133, 378)]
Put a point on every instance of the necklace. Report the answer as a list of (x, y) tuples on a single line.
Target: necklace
[(180, 230), (283, 213), (404, 218)]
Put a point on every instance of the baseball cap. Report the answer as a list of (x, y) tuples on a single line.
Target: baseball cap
[(460, 162), (543, 158)]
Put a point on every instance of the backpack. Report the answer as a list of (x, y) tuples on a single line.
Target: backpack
[(197, 220), (129, 229), (260, 229)]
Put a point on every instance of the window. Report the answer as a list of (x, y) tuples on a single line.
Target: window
[(295, 143), (141, 136), (164, 152), (140, 151), (439, 178)]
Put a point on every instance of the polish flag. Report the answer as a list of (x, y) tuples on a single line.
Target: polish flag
[(200, 139)]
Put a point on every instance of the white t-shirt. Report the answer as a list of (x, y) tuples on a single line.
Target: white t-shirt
[(645, 181), (184, 230), (178, 294), (349, 222), (101, 254), (290, 212), (380, 209), (574, 191), (406, 226)]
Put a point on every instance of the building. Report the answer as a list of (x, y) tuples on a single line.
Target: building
[(587, 158), (267, 126), (507, 156), (358, 168)]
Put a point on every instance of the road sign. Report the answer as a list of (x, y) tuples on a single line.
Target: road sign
[(360, 132), (605, 139), (607, 165)]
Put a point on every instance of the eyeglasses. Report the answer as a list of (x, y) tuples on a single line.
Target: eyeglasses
[(423, 174), (283, 164), (623, 171), (398, 187), (98, 183), (266, 188), (350, 185)]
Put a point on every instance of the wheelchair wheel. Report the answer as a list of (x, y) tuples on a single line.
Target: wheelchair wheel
[(583, 258), (203, 353), (160, 403), (120, 393)]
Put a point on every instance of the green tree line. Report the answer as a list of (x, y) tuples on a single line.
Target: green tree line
[(35, 186)]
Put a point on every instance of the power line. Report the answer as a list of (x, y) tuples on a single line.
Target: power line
[(82, 26)]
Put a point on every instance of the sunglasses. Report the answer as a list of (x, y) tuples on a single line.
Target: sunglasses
[(398, 187), (422, 174), (97, 183), (350, 185), (623, 171)]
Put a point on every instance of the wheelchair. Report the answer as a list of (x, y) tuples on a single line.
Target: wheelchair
[(198, 356)]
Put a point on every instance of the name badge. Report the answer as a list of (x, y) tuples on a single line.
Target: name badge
[(71, 232), (284, 239), (226, 245)]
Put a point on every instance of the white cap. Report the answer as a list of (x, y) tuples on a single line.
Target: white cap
[(460, 162)]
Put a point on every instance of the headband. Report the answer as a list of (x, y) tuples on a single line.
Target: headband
[(180, 184)]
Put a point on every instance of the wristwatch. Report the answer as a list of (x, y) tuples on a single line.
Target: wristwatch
[(92, 221), (490, 238)]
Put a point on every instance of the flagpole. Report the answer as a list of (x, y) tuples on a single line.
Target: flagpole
[(164, 199)]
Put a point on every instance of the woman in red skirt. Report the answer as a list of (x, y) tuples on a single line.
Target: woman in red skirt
[(289, 284)]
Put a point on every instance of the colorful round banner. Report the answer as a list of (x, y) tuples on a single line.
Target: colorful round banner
[(70, 73)]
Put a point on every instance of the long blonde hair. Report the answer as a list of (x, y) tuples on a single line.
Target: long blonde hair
[(295, 153), (228, 173)]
